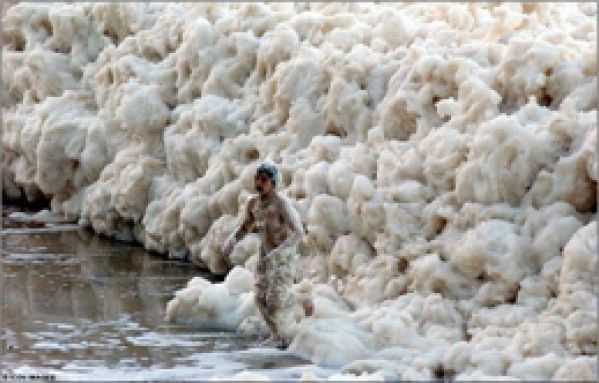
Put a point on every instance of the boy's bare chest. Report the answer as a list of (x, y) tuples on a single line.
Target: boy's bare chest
[(267, 217)]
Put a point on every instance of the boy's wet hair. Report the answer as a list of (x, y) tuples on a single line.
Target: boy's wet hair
[(270, 170)]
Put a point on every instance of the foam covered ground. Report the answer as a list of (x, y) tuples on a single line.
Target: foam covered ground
[(442, 158)]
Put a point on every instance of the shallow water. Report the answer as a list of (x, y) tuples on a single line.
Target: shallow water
[(75, 305)]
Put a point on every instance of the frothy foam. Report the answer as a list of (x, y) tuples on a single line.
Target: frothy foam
[(442, 158)]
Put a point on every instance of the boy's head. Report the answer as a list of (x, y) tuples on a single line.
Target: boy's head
[(265, 179)]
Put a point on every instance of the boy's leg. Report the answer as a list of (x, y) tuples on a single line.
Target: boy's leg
[(268, 319), (262, 293), (263, 305), (276, 301), (283, 302)]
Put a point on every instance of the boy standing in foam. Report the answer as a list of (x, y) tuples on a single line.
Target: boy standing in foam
[(278, 224)]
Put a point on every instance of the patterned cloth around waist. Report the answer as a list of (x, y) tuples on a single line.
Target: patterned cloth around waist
[(277, 267)]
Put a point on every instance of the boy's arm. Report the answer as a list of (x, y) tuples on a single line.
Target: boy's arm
[(292, 218), (241, 231)]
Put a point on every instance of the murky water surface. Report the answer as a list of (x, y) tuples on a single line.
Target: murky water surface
[(80, 306)]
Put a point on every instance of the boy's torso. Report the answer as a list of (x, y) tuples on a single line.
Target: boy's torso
[(269, 222)]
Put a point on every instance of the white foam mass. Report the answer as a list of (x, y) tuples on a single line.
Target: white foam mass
[(442, 158)]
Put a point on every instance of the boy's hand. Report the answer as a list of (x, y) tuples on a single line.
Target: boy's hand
[(227, 248), (308, 307)]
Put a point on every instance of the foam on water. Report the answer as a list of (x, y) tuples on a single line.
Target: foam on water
[(442, 158)]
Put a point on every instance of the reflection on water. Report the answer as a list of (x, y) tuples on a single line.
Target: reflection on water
[(76, 302)]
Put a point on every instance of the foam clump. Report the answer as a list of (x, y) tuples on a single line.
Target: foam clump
[(442, 159), (330, 337), (220, 306)]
